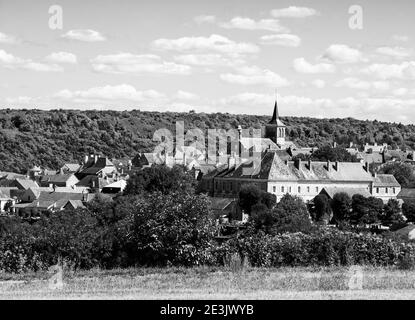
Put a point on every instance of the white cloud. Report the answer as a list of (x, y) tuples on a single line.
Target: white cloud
[(11, 62), (396, 52), (303, 66), (209, 59), (213, 43), (131, 63), (184, 95), (402, 38), (400, 91), (86, 35), (8, 39), (205, 19), (318, 83), (341, 53), (286, 40), (123, 92), (294, 12), (255, 76), (20, 100), (404, 71), (62, 57), (355, 83), (250, 24)]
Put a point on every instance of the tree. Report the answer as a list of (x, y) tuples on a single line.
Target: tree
[(341, 204), (291, 215), (403, 173), (173, 228), (333, 154), (160, 178), (392, 213), (408, 210), (251, 194), (322, 210), (366, 210)]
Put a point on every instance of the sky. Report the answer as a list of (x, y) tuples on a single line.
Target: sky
[(318, 58)]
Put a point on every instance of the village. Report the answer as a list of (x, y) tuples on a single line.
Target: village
[(271, 162)]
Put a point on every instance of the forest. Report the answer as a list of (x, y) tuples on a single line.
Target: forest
[(51, 138)]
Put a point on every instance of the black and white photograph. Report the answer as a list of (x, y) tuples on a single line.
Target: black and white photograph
[(219, 151)]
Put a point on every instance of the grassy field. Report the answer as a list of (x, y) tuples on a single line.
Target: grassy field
[(215, 283)]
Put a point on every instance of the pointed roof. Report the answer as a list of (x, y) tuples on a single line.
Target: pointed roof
[(275, 116)]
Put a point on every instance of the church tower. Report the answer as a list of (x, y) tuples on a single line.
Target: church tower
[(275, 129)]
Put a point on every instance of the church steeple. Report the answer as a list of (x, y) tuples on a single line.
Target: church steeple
[(275, 115)]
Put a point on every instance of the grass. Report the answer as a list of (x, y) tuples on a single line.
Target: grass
[(215, 283)]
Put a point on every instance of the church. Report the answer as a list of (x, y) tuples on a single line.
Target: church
[(274, 172)]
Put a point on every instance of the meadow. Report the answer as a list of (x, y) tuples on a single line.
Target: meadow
[(215, 283)]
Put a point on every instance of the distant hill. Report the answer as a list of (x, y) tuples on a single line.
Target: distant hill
[(50, 138)]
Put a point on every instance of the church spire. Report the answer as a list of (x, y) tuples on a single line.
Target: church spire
[(275, 115)]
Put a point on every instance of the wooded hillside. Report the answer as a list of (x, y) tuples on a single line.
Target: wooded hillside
[(50, 138)]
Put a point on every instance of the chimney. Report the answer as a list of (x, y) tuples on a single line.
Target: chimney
[(366, 167), (328, 166), (309, 164), (336, 165), (286, 162), (95, 159), (334, 144), (54, 187), (375, 175), (86, 158), (351, 144), (298, 164)]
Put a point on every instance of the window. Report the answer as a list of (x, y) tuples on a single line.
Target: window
[(386, 190), (377, 190), (316, 189), (308, 189), (282, 188), (274, 189), (299, 189), (393, 190), (289, 189)]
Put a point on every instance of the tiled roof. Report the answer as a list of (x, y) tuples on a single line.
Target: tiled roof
[(26, 183), (258, 144), (57, 178), (331, 191), (385, 180), (90, 179), (271, 167), (375, 157), (220, 203), (73, 167)]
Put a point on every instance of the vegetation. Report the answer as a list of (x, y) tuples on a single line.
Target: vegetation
[(50, 138), (403, 172)]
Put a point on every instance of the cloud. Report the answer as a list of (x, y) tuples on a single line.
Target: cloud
[(62, 57), (400, 91), (396, 52), (210, 59), (403, 71), (402, 38), (294, 12), (302, 66), (318, 83), (184, 95), (286, 40), (204, 19), (8, 39), (244, 23), (341, 53), (86, 35), (212, 43), (359, 84), (255, 76), (139, 64), (11, 62), (122, 92)]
